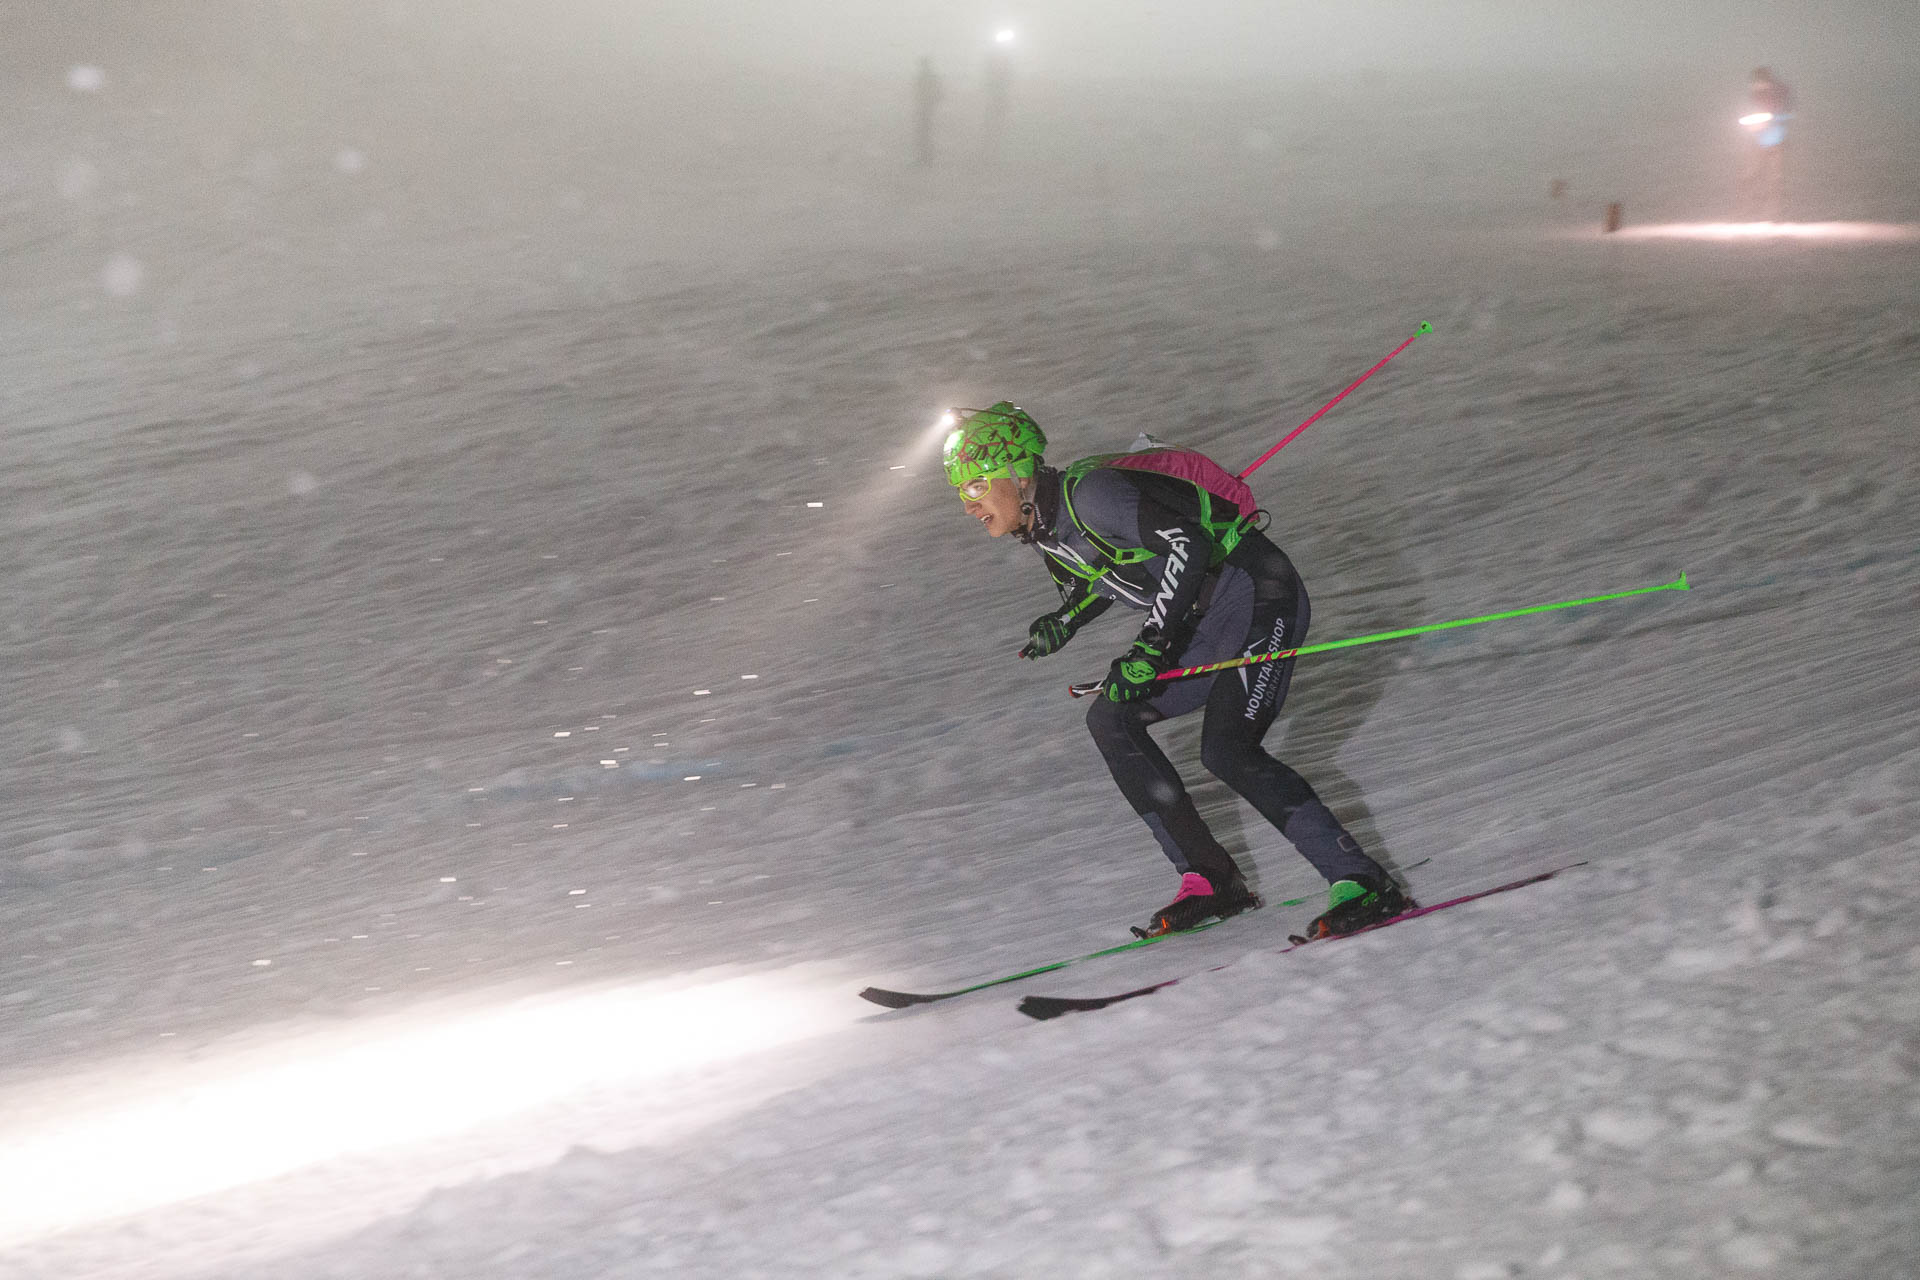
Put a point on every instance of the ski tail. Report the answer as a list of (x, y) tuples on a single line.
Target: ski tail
[(1417, 912)]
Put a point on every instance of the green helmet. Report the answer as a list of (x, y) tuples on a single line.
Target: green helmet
[(990, 443)]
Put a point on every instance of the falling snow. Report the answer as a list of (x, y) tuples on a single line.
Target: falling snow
[(422, 428)]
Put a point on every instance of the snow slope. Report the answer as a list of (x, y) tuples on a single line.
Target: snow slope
[(424, 668)]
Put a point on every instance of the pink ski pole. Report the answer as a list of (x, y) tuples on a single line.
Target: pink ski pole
[(1424, 328)]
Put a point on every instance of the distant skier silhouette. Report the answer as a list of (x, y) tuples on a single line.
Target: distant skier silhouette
[(1763, 177), (999, 87), (927, 93)]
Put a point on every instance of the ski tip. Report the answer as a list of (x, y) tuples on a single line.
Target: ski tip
[(1681, 581), (1046, 1008), (1425, 327), (893, 999)]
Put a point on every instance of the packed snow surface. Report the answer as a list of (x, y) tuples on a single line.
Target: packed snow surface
[(491, 668)]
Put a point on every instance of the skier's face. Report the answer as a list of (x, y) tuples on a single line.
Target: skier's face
[(998, 508)]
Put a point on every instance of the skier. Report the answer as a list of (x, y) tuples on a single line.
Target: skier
[(927, 94), (1769, 107), (1212, 586), (999, 87)]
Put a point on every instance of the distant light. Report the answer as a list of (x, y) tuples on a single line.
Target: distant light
[(816, 504), (86, 79), (1003, 36), (1758, 117)]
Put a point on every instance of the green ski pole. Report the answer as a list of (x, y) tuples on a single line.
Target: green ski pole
[(1678, 584)]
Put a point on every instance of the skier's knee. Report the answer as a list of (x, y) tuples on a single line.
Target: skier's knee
[(1163, 794), (1235, 764), (1250, 772), (1218, 760)]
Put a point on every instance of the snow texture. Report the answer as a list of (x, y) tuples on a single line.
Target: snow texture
[(475, 565)]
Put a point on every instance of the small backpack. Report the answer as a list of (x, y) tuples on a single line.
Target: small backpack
[(1207, 476)]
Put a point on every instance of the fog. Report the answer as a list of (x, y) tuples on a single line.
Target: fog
[(488, 670), (1082, 39), (490, 110)]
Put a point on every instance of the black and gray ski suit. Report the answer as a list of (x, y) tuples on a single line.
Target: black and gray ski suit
[(1251, 602)]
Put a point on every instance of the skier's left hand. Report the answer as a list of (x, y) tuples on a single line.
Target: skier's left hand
[(1135, 674)]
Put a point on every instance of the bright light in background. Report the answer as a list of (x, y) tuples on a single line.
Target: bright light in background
[(1004, 35), (1766, 231), (243, 1118), (1758, 117)]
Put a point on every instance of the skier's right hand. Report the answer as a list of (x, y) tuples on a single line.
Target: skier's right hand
[(1048, 633), (1135, 674)]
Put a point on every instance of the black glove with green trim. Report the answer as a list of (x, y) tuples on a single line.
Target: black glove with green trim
[(1135, 674), (1048, 633)]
